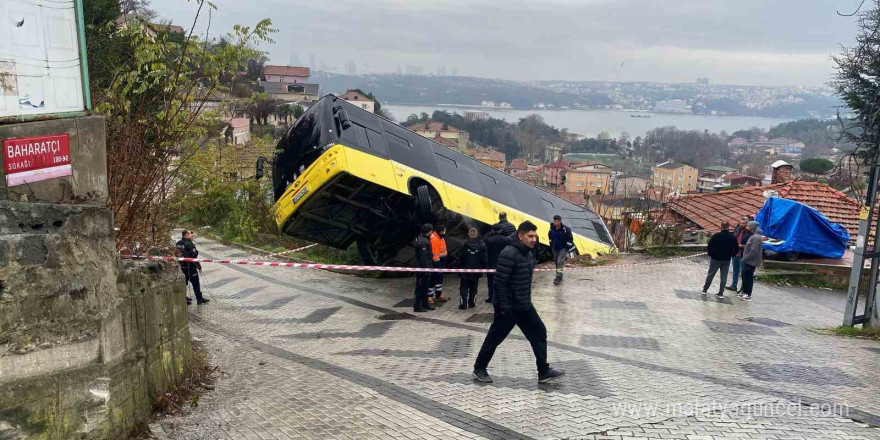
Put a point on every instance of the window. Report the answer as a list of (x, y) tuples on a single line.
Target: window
[(580, 184)]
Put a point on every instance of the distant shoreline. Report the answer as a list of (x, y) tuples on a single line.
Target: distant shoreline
[(626, 110)]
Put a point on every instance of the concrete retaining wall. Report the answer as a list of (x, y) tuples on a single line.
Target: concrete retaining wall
[(87, 341)]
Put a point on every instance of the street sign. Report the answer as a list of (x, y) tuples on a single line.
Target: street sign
[(38, 158)]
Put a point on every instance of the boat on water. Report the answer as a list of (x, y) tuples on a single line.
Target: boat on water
[(640, 116)]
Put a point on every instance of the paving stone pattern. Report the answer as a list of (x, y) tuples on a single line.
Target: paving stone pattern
[(309, 354)]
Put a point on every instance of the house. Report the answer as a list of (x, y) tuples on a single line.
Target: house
[(488, 156), (446, 142), (735, 179), (291, 92), (575, 197), (554, 173), (707, 211), (534, 177), (659, 194), (286, 74), (589, 177), (612, 208), (432, 129), (357, 98), (629, 185), (680, 177), (238, 131), (553, 152), (289, 83), (738, 142), (517, 166), (151, 29)]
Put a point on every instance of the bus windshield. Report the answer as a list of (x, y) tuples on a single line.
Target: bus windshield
[(302, 144)]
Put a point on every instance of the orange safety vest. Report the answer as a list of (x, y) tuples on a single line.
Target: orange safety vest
[(438, 246)]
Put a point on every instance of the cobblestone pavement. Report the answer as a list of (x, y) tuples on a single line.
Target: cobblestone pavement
[(313, 354)]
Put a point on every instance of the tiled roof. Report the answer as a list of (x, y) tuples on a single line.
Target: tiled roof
[(574, 197), (353, 95), (709, 210), (433, 126), (518, 164), (561, 163), (445, 142), (286, 71), (489, 154)]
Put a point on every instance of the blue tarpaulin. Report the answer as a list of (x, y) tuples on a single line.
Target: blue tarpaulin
[(795, 227)]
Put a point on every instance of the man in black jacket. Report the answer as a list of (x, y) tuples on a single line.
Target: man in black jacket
[(471, 255), (722, 247), (190, 269), (507, 228), (423, 258), (513, 306), (495, 243)]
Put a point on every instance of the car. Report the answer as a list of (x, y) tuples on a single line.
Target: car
[(792, 229)]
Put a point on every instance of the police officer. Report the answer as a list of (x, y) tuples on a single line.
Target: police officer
[(191, 269)]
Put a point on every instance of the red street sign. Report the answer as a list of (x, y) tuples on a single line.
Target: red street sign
[(36, 158)]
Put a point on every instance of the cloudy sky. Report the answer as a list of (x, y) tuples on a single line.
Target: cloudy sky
[(750, 42)]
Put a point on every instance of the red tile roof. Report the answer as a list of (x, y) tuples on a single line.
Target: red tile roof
[(433, 126), (353, 95), (287, 71), (518, 164), (444, 141), (561, 163), (574, 197), (709, 210)]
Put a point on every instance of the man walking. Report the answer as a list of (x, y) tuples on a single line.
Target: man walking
[(423, 259), (742, 236), (513, 306), (753, 257), (495, 243), (507, 228), (471, 255), (561, 241), (191, 269), (722, 246), (438, 249)]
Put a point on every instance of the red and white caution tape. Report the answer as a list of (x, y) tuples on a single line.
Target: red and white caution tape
[(291, 251), (375, 268)]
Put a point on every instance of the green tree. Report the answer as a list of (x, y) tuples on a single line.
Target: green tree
[(816, 166), (259, 107), (857, 81), (152, 90)]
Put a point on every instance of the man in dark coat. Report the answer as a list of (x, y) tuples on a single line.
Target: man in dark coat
[(495, 243), (722, 247), (507, 228), (424, 258), (742, 234), (471, 255), (513, 306), (561, 240), (191, 269)]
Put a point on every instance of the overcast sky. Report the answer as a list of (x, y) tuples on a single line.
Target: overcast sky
[(750, 42)]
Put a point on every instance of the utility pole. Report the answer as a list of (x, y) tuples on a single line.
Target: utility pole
[(869, 315)]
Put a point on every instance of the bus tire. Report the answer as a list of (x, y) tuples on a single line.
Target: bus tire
[(423, 202), (365, 251)]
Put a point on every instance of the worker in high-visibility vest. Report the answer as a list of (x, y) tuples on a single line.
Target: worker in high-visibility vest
[(438, 248)]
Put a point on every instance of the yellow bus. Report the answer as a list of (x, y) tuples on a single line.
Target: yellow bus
[(343, 175)]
